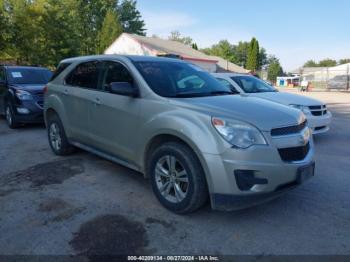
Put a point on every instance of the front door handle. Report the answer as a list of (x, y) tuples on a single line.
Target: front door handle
[(97, 101)]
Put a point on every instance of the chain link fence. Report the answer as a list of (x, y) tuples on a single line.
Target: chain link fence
[(327, 78)]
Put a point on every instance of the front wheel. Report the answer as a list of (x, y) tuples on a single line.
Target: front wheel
[(10, 117), (177, 178), (57, 137)]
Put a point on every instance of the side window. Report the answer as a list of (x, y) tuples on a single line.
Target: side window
[(61, 67), (227, 84), (115, 72), (84, 75)]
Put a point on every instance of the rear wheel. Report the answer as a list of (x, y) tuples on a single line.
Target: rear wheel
[(10, 117), (57, 137), (177, 178)]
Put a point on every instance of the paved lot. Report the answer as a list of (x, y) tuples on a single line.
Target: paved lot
[(83, 204)]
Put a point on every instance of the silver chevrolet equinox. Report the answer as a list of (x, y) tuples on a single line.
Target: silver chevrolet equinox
[(176, 124)]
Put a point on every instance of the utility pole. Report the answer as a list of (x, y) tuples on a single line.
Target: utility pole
[(327, 78), (348, 77)]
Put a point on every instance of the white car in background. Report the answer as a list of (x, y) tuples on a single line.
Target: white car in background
[(318, 117)]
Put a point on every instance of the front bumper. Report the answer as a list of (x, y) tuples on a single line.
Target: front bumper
[(319, 124), (265, 162), (237, 202)]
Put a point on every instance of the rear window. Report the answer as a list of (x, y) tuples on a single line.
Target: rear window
[(61, 67), (30, 76)]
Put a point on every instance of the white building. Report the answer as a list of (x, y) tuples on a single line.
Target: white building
[(288, 81), (130, 44)]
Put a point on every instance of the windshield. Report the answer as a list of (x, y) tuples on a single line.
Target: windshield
[(173, 79), (29, 76), (251, 84)]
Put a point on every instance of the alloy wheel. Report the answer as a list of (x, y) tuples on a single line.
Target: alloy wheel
[(8, 115), (171, 179), (55, 136)]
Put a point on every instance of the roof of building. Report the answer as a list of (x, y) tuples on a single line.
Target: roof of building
[(162, 46), (226, 66)]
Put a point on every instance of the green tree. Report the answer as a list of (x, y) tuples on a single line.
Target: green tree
[(274, 69), (130, 18), (44, 31), (241, 53), (26, 34), (310, 63), (62, 37), (176, 36), (344, 61), (110, 30), (4, 28), (237, 54), (225, 50), (194, 46), (89, 21), (253, 55), (327, 63), (323, 63), (263, 61)]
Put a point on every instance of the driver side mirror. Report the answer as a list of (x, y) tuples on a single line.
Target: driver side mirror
[(123, 89)]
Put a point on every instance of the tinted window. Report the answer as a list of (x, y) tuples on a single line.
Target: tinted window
[(251, 84), (84, 75), (59, 70), (174, 79), (115, 72), (227, 84), (28, 76)]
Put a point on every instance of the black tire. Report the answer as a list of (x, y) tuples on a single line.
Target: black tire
[(64, 147), (10, 117), (196, 188)]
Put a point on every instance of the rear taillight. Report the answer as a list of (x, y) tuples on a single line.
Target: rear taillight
[(45, 89)]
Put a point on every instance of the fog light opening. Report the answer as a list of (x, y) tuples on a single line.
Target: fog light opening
[(245, 179), (22, 110)]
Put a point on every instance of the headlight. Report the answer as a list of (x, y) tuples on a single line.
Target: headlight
[(23, 95), (305, 109), (237, 133)]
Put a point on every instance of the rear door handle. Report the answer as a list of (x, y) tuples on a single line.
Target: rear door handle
[(97, 101)]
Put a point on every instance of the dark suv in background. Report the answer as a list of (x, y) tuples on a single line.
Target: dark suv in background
[(21, 93)]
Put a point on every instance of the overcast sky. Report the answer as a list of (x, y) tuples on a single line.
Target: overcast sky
[(295, 31)]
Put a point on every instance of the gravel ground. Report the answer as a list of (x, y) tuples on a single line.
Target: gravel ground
[(85, 205)]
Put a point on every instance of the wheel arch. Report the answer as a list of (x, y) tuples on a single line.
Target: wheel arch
[(163, 138)]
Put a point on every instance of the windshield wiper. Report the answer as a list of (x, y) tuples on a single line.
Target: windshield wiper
[(213, 93), (221, 92), (189, 95)]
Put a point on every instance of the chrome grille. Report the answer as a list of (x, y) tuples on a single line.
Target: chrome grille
[(318, 110), (282, 131), (294, 153)]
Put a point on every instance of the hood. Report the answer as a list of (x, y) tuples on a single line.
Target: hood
[(288, 99), (33, 89), (259, 112)]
